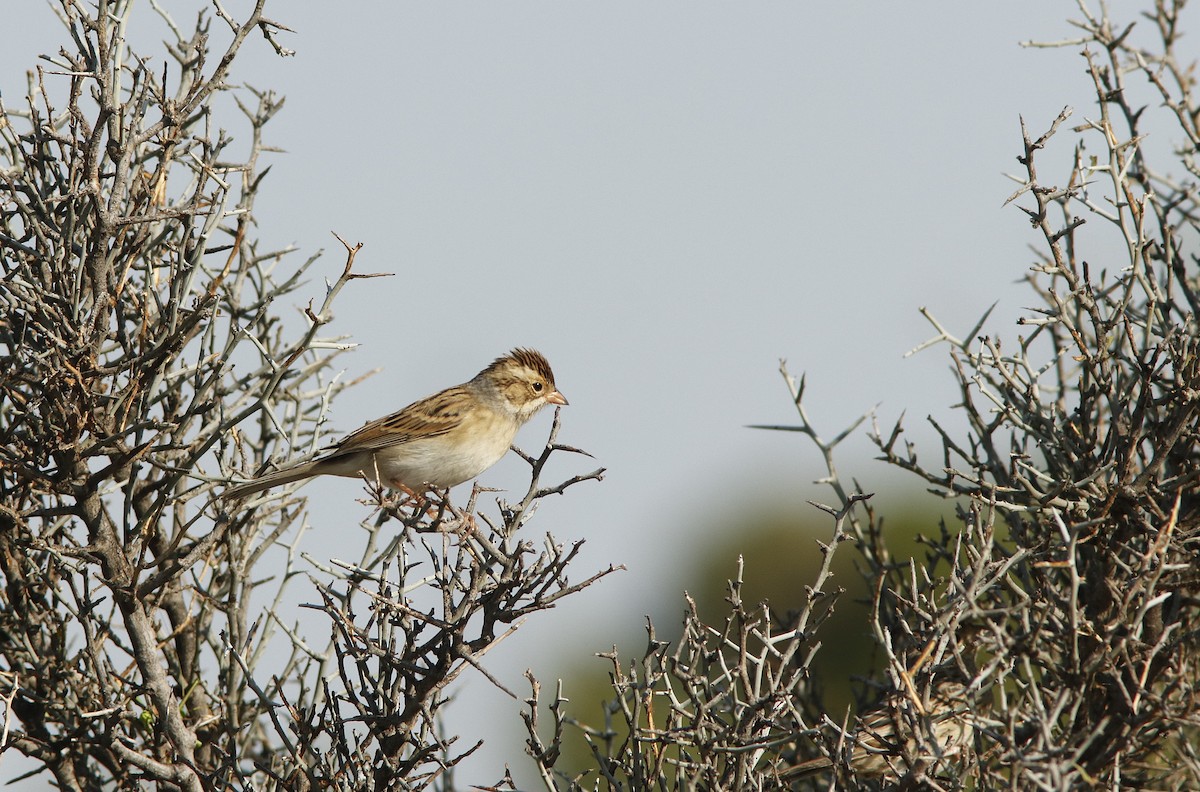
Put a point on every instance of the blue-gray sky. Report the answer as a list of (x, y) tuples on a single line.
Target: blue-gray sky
[(665, 198)]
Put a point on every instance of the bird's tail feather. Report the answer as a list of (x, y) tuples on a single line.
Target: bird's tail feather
[(284, 476)]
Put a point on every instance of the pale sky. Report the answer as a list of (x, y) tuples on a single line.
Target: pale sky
[(665, 198)]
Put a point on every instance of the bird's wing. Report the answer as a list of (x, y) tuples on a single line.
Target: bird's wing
[(429, 417)]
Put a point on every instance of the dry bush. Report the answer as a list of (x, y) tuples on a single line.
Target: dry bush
[(1046, 641), (146, 635)]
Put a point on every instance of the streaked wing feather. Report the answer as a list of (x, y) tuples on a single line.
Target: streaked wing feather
[(429, 417)]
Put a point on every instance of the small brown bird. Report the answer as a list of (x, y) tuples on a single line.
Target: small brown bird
[(440, 441), (894, 738)]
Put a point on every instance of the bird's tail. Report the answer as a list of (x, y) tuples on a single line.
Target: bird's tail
[(285, 476)]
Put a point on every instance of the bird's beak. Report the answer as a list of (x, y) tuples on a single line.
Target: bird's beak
[(556, 398)]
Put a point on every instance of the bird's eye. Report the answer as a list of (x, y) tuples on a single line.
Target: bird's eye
[(537, 386)]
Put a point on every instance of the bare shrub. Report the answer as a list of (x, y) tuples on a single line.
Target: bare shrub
[(145, 632), (1048, 640)]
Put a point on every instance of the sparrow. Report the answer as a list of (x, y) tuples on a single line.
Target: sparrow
[(894, 738), (437, 442)]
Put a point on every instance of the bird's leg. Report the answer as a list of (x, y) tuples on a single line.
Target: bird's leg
[(433, 502)]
